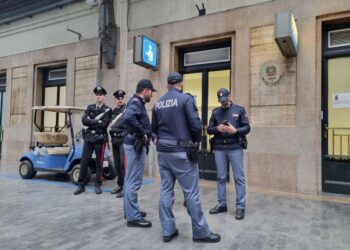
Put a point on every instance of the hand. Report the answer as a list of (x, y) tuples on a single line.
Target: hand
[(145, 139), (231, 129), (222, 128)]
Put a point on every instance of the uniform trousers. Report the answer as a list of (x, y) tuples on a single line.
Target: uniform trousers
[(133, 180), (88, 149), (235, 157), (172, 167), (118, 155)]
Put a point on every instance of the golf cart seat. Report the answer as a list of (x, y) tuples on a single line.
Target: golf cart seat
[(53, 142)]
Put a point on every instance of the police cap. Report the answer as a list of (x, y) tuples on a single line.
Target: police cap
[(174, 77), (223, 95), (146, 84), (100, 91), (119, 94)]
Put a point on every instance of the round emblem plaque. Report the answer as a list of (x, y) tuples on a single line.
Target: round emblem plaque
[(270, 73)]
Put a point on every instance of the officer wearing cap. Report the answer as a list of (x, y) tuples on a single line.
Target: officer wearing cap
[(229, 124), (117, 133), (176, 123), (96, 118), (136, 141)]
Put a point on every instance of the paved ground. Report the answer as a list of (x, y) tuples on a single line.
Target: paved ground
[(43, 214)]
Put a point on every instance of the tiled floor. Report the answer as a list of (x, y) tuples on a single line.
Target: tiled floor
[(43, 213)]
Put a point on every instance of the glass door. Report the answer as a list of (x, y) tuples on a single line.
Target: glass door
[(54, 95), (204, 86), (336, 135), (2, 108)]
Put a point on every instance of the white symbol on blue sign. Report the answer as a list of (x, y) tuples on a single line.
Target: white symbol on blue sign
[(149, 54)]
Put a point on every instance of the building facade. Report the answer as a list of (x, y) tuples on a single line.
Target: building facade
[(300, 140)]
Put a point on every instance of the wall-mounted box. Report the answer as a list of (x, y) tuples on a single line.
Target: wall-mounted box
[(286, 33), (145, 52)]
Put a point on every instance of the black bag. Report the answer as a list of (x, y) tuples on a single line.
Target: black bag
[(192, 151)]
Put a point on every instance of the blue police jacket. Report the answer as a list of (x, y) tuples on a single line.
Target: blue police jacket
[(136, 119), (175, 119), (237, 117)]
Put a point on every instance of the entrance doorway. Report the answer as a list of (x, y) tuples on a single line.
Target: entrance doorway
[(54, 94), (336, 109), (206, 69), (203, 86), (2, 108)]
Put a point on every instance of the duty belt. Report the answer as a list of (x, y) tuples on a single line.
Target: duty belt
[(225, 141), (173, 142), (121, 134), (131, 136)]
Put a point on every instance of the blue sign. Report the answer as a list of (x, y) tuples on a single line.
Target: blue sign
[(149, 52), (146, 52)]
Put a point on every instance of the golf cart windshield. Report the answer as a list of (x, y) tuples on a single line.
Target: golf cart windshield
[(48, 113)]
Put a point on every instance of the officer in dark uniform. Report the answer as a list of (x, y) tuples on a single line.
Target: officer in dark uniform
[(135, 145), (229, 124), (96, 118), (176, 123), (117, 133)]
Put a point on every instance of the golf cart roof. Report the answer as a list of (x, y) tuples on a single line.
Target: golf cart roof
[(63, 109)]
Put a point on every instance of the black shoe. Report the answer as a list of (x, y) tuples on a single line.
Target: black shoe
[(170, 237), (239, 213), (116, 190), (120, 195), (80, 189), (211, 238), (139, 223), (217, 210), (98, 189)]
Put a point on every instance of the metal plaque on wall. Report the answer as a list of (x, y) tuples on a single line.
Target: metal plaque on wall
[(270, 73)]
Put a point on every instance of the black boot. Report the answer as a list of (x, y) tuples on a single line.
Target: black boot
[(217, 209), (117, 190), (98, 189), (240, 213), (80, 189), (120, 194)]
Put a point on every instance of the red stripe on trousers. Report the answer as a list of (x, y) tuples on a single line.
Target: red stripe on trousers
[(102, 159)]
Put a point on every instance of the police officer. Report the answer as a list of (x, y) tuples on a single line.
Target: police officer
[(96, 117), (137, 139), (229, 124), (118, 132), (176, 123)]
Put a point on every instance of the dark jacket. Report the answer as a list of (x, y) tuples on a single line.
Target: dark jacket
[(235, 115), (118, 128), (175, 118), (136, 119), (96, 131)]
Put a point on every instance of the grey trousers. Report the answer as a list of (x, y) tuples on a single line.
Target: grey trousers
[(172, 167)]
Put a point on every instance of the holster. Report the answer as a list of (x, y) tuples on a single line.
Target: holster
[(242, 140), (192, 152), (83, 133), (138, 145)]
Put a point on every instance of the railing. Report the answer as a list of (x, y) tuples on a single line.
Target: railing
[(338, 143)]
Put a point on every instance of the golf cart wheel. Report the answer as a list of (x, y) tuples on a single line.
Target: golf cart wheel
[(110, 172), (26, 170), (74, 174)]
